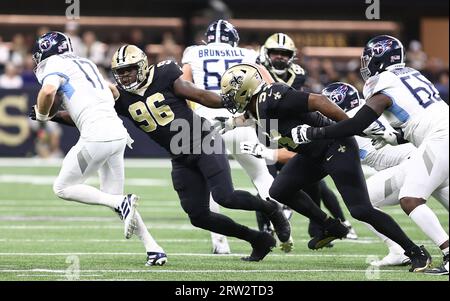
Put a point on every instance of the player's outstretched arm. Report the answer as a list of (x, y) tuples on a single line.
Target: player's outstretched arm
[(353, 126), (188, 90), (320, 103)]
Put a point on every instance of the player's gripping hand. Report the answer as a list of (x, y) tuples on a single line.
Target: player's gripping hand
[(32, 113), (223, 124), (258, 150), (299, 134)]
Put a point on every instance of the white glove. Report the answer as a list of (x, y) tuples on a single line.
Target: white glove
[(299, 134), (41, 117), (385, 137), (223, 124), (130, 142), (258, 150)]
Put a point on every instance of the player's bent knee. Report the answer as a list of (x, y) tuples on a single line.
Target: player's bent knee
[(59, 190), (361, 213), (200, 220)]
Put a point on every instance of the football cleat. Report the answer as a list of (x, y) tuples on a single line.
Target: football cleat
[(127, 213), (287, 246), (221, 246), (392, 259), (261, 247), (420, 259), (351, 231), (442, 270), (333, 229), (156, 258), (280, 223)]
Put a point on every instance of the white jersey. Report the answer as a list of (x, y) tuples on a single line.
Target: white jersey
[(208, 63), (416, 107), (86, 96), (385, 157)]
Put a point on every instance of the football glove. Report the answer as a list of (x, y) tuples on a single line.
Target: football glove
[(299, 134), (257, 150), (223, 124)]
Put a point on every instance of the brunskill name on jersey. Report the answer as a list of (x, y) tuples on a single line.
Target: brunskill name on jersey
[(290, 108), (157, 111)]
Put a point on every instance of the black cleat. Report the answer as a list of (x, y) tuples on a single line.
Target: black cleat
[(442, 270), (263, 244), (420, 259), (333, 229), (280, 223)]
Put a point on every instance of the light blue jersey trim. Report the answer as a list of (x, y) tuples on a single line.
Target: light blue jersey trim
[(395, 109), (66, 88), (362, 154)]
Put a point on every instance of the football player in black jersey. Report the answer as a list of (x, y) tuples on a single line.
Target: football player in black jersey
[(277, 56), (154, 98), (244, 90)]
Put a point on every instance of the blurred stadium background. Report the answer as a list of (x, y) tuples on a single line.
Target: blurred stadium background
[(329, 36)]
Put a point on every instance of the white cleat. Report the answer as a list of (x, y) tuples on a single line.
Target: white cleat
[(351, 231), (127, 213), (392, 259), (221, 246)]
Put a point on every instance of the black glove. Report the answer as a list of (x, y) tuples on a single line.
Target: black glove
[(32, 113)]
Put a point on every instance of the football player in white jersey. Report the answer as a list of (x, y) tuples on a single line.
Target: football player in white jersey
[(88, 100), (409, 101), (204, 65)]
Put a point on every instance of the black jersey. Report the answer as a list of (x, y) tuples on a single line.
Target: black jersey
[(290, 108), (165, 117), (295, 76)]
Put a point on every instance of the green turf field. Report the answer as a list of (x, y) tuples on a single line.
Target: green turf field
[(45, 238)]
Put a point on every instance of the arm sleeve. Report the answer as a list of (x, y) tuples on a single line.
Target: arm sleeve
[(346, 128)]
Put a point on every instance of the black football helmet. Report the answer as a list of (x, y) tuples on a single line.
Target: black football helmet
[(381, 52), (222, 31), (49, 44), (344, 95)]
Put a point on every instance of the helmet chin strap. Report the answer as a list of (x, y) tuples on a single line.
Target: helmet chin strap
[(278, 72)]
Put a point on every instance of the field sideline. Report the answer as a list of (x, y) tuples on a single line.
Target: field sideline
[(45, 238)]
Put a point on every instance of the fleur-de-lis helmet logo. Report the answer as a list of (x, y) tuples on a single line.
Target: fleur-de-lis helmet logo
[(236, 81)]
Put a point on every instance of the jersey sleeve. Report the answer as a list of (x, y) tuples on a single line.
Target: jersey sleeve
[(168, 71), (52, 71), (289, 102), (188, 55), (376, 84)]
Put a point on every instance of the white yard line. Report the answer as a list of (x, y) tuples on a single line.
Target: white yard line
[(203, 271), (187, 254)]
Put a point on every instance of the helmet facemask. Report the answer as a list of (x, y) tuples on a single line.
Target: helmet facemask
[(280, 59)]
